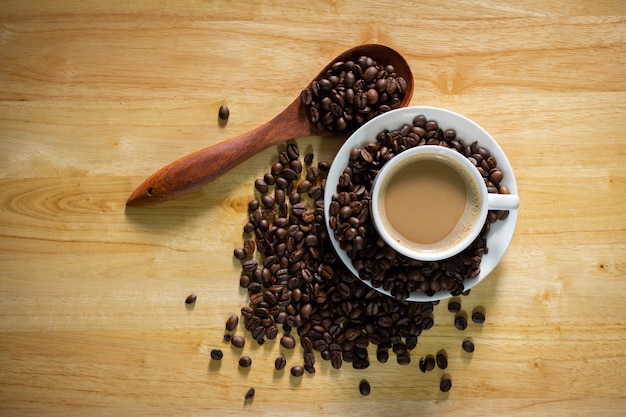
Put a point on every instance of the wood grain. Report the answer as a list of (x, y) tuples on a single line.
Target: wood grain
[(95, 96)]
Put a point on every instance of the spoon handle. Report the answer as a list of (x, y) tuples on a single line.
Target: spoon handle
[(191, 172)]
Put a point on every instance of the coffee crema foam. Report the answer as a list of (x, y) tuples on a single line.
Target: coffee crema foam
[(466, 219)]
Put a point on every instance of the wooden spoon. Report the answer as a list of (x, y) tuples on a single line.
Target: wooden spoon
[(191, 172)]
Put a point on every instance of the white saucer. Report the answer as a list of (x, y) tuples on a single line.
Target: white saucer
[(501, 232)]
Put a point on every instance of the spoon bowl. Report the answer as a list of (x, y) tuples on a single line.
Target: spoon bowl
[(193, 171)]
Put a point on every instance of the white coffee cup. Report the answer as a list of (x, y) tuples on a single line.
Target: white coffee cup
[(464, 231)]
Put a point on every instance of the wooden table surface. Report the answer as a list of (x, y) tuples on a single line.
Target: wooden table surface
[(97, 95)]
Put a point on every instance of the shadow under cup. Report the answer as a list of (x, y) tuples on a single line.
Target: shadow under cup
[(430, 203)]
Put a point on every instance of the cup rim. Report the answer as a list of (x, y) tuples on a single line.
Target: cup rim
[(435, 255)]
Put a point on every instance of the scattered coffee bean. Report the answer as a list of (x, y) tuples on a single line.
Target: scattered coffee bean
[(240, 253), (478, 317), (250, 394), (216, 354), (232, 322), (245, 361), (454, 307), (445, 384), (468, 345), (238, 341), (429, 363), (191, 298), (442, 360), (288, 342), (224, 112), (297, 371), (227, 338), (460, 322), (280, 362), (364, 387)]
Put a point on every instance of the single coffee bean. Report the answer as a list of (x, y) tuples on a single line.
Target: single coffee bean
[(191, 298), (238, 341), (297, 371), (454, 307), (232, 322), (442, 360), (288, 342), (227, 338), (382, 355), (250, 394), (280, 362), (261, 186), (245, 361), (223, 112), (429, 363), (468, 345), (240, 253), (364, 387), (445, 384), (460, 322), (478, 317), (216, 354)]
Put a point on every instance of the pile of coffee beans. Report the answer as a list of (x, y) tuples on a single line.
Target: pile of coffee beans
[(299, 290), (371, 256), (296, 283), (351, 93)]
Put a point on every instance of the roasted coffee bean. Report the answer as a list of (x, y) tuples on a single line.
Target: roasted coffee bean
[(382, 356), (364, 387), (442, 360), (250, 394), (223, 112), (403, 359), (445, 384), (297, 371), (261, 186), (216, 354), (478, 317), (245, 362), (468, 345), (191, 298), (240, 253), (454, 307), (288, 342), (232, 322), (460, 322), (280, 362), (238, 341), (429, 363)]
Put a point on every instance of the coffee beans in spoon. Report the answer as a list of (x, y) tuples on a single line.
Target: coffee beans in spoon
[(350, 93)]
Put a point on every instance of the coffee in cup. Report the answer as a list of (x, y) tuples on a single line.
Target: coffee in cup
[(429, 202)]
